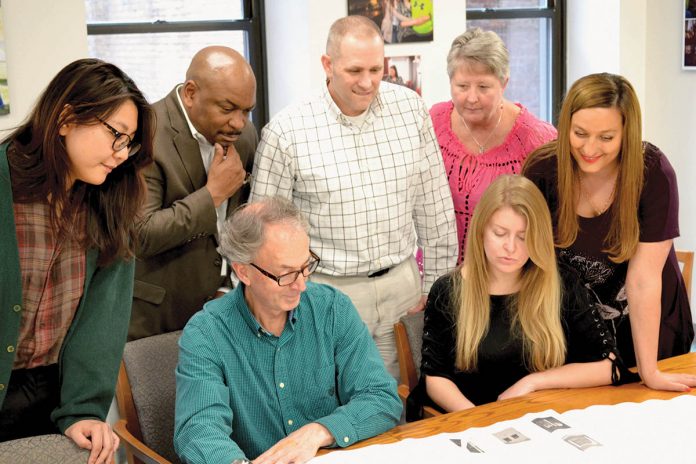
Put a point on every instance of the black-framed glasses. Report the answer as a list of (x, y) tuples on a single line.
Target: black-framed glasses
[(121, 140), (289, 278)]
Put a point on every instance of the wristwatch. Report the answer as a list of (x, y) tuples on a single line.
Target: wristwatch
[(241, 461)]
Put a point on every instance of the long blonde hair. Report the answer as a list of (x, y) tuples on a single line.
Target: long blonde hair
[(536, 309), (602, 90)]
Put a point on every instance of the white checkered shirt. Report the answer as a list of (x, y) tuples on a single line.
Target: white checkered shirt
[(370, 193)]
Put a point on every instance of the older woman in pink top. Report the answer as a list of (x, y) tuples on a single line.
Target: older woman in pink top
[(481, 134)]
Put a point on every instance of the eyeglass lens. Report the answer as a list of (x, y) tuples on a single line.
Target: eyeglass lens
[(288, 279)]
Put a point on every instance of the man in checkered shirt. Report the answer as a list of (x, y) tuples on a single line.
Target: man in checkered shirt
[(361, 161)]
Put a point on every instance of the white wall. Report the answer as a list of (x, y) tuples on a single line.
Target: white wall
[(592, 37), (296, 38), (670, 108), (607, 36), (40, 38), (632, 45)]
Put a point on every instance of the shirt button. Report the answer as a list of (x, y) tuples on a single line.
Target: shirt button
[(289, 421), (281, 385), (10, 349), (16, 308), (2, 386), (346, 439)]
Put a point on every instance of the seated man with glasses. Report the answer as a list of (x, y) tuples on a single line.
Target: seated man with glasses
[(280, 366)]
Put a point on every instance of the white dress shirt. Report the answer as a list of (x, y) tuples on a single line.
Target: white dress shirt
[(207, 153), (370, 192)]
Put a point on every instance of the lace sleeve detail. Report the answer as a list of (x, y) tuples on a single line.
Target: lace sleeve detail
[(439, 332), (588, 338)]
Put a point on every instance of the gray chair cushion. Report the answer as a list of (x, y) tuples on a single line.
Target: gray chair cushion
[(413, 323), (150, 363), (42, 449)]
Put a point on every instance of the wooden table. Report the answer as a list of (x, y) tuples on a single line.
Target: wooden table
[(561, 400)]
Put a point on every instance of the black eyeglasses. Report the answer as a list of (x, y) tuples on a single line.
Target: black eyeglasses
[(289, 278), (121, 140)]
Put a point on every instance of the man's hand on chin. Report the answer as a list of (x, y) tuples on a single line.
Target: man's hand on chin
[(298, 447)]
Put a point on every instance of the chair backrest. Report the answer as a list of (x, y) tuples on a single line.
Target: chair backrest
[(686, 259), (42, 449), (409, 340), (149, 365)]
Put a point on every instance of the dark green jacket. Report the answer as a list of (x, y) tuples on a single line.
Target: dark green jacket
[(91, 352)]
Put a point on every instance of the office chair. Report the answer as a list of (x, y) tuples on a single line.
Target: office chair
[(42, 449), (146, 392), (409, 340), (686, 260)]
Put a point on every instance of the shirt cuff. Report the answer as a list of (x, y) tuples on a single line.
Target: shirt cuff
[(342, 430)]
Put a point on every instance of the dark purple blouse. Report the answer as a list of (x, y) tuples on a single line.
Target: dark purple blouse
[(658, 218)]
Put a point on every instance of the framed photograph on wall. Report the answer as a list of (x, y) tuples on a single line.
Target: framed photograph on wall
[(403, 70), (689, 44), (689, 36), (399, 20)]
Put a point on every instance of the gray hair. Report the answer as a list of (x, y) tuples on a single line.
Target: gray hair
[(485, 47), (244, 231), (358, 26)]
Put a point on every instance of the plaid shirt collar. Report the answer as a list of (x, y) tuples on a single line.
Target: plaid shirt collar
[(332, 109)]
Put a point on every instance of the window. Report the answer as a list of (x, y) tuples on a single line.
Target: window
[(533, 33), (153, 41)]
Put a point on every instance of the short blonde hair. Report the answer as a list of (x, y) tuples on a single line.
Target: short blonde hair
[(479, 46), (357, 26)]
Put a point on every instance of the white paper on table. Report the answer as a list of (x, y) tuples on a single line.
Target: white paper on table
[(653, 431)]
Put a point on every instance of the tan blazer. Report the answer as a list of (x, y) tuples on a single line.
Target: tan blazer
[(178, 267)]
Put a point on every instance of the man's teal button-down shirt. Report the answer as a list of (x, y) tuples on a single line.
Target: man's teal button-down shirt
[(241, 389)]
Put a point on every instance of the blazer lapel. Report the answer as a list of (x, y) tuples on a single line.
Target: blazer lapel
[(186, 146)]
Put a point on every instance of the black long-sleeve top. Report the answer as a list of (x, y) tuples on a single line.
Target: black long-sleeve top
[(500, 357)]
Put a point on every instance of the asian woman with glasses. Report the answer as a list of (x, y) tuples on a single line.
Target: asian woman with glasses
[(70, 191)]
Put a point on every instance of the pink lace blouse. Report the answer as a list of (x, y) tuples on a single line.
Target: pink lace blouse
[(469, 174)]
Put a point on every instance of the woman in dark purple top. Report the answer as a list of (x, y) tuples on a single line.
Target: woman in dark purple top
[(615, 210)]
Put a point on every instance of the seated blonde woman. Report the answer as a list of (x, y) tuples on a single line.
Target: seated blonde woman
[(508, 321)]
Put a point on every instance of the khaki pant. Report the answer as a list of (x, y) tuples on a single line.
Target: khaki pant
[(381, 301)]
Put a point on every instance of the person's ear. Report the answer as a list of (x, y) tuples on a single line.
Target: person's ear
[(64, 129), (188, 93), (242, 272), (64, 116), (327, 65), (505, 83)]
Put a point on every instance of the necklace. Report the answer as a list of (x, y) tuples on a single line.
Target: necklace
[(482, 146), (597, 211)]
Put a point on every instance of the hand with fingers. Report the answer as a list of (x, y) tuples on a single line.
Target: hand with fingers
[(95, 436), (298, 447), (226, 174), (658, 380)]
